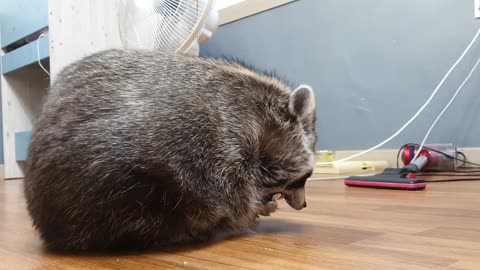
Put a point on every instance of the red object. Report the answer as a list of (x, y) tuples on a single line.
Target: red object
[(411, 176), (409, 153)]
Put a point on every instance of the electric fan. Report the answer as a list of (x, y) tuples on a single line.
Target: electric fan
[(167, 25)]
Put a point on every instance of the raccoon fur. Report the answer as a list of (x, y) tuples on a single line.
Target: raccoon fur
[(135, 148)]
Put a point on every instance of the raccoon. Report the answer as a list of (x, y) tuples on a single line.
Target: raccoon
[(135, 148)]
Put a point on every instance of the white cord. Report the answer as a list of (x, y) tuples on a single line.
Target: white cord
[(38, 55), (335, 177), (444, 109), (416, 114)]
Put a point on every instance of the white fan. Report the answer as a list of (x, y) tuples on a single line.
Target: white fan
[(167, 25)]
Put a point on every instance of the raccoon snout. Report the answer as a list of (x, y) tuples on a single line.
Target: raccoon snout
[(295, 193), (296, 198)]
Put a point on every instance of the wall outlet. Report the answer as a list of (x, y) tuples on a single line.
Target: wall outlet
[(477, 8)]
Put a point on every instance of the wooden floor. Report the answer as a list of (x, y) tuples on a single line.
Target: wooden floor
[(342, 228)]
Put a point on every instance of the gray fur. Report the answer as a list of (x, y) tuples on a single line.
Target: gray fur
[(134, 148)]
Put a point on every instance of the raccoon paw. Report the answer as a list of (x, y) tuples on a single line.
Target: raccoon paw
[(268, 208)]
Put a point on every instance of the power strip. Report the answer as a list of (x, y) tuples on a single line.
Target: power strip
[(351, 167)]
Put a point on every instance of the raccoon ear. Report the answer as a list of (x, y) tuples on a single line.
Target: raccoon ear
[(302, 101)]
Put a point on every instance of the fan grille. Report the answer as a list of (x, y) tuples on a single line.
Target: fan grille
[(165, 25)]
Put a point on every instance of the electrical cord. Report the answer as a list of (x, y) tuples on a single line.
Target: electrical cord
[(418, 112), (426, 181), (452, 180), (336, 177), (459, 173), (445, 109), (464, 158), (468, 171), (38, 54), (447, 174)]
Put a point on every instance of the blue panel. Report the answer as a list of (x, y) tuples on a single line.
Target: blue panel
[(21, 18), (22, 141), (25, 55)]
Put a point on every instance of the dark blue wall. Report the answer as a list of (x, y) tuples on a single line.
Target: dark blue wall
[(372, 63)]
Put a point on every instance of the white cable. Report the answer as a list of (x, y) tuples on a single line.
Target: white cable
[(417, 113), (38, 54), (431, 127), (444, 109), (335, 177)]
